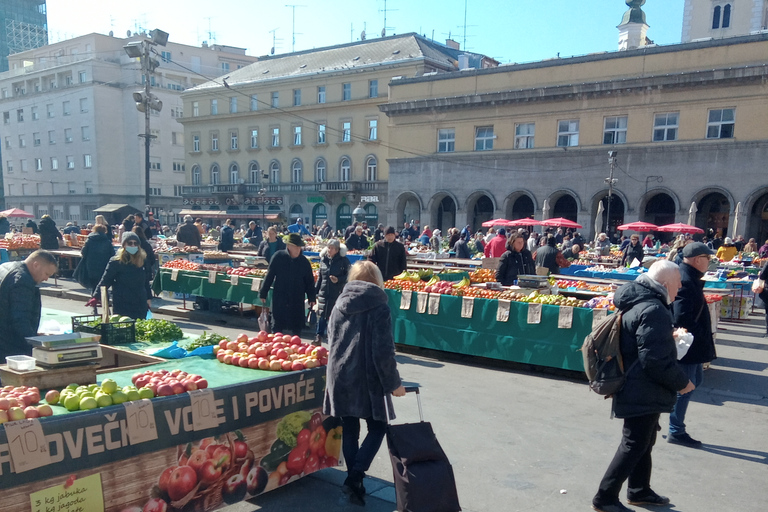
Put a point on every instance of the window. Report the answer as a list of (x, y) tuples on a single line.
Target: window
[(233, 105), (568, 133), (6, 118), (723, 21), (87, 162), (274, 172), (49, 110), (36, 138), (254, 102), (254, 139), (615, 130), (275, 99), (9, 166), (253, 171), (23, 165), (178, 166), (54, 163), (214, 141), (176, 138), (346, 131), (225, 66), (71, 188), (524, 135), (68, 80), (346, 91), (81, 77), (296, 172), (22, 141), (165, 56), (345, 169), (70, 162), (373, 88), (195, 108), (196, 143), (38, 164), (275, 137), (196, 175), (373, 132), (88, 189), (20, 115), (35, 114), (296, 97), (233, 140), (297, 135), (484, 138), (234, 174), (665, 126), (320, 170), (85, 131), (51, 137), (67, 134), (370, 169), (83, 105), (214, 174), (321, 134), (214, 107), (321, 94), (721, 123), (446, 140), (7, 142)]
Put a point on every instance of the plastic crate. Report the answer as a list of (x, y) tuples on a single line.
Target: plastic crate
[(113, 333)]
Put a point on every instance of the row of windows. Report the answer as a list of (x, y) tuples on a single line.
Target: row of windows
[(50, 111), (85, 135), (50, 189), (297, 136), (297, 172), (720, 125), (274, 98), (37, 164), (20, 89)]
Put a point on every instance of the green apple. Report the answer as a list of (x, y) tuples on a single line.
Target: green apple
[(71, 402), (93, 387), (103, 399), (72, 386), (109, 386), (119, 397), (146, 393), (87, 403)]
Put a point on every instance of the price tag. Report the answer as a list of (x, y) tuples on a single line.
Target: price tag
[(212, 276), (534, 313), (502, 310), (565, 318), (405, 299), (27, 444), (598, 315), (421, 302), (174, 274), (203, 409), (434, 303), (256, 284), (234, 279), (140, 416), (467, 307)]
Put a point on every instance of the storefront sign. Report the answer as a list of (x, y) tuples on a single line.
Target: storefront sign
[(369, 199), (315, 199)]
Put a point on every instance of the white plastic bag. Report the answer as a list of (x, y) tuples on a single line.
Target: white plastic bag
[(264, 320), (683, 340)]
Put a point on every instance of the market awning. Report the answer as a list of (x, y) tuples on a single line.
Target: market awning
[(223, 214), (109, 208)]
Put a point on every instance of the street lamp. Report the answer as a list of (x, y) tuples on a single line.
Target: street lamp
[(611, 182), (359, 212)]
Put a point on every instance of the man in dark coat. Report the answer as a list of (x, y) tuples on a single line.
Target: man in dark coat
[(32, 224), (20, 303), (546, 257), (188, 232), (291, 273), (651, 385), (691, 312), (49, 234), (460, 248), (334, 267), (389, 255), (96, 253), (227, 236), (253, 234), (325, 230), (357, 241), (378, 233), (138, 220)]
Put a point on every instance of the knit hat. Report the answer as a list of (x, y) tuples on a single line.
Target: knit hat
[(294, 239), (130, 235), (389, 231)]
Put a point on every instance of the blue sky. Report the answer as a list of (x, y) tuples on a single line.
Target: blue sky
[(510, 30)]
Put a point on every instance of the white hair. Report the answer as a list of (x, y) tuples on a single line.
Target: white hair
[(662, 270)]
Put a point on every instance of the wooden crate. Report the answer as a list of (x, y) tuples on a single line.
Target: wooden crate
[(49, 378)]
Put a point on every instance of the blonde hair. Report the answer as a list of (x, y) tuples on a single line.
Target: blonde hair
[(127, 258), (366, 271)]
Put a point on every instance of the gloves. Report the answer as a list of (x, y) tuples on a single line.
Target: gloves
[(93, 303)]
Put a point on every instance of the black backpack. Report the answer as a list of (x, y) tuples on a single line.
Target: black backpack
[(603, 363)]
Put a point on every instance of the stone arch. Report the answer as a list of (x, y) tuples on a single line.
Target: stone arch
[(654, 192), (443, 207), (618, 210), (715, 210), (480, 207), (511, 199), (756, 211), (556, 196), (404, 207)]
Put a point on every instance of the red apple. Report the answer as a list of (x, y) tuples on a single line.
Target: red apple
[(261, 352), (5, 404), (220, 356), (253, 363), (235, 360), (136, 376), (141, 382), (189, 385), (164, 390), (262, 336), (197, 459), (201, 383), (223, 344), (234, 489), (253, 340), (243, 362), (287, 338), (182, 481), (263, 363), (286, 365), (222, 457), (256, 480), (178, 388), (31, 412), (282, 354), (227, 359), (297, 366), (296, 340), (155, 505), (242, 338), (45, 410), (165, 476)]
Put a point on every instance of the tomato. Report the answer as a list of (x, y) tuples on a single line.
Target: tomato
[(312, 464), (303, 437)]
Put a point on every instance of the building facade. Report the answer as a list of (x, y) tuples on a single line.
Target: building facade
[(301, 134), (716, 19), (687, 122), (23, 26), (70, 125)]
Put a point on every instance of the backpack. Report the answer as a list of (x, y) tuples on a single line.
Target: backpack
[(603, 363)]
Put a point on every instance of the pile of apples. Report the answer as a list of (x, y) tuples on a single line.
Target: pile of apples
[(20, 402), (166, 383), (274, 352)]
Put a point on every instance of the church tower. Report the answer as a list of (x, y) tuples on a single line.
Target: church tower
[(633, 28), (717, 19)]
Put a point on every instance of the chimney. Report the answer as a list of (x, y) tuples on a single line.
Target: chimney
[(450, 43)]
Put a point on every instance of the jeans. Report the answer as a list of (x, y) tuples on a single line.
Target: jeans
[(359, 457), (632, 461), (695, 373), (322, 326)]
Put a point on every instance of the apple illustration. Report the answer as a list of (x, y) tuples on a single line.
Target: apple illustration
[(256, 480), (197, 459), (165, 477), (182, 481), (209, 472), (234, 489), (155, 505)]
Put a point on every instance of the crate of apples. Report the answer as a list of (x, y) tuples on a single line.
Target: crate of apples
[(20, 402), (273, 352)]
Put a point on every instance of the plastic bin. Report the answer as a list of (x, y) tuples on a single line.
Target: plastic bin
[(113, 333), (20, 362)]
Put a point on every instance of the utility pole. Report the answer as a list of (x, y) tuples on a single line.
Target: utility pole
[(293, 28), (611, 182), (147, 132)]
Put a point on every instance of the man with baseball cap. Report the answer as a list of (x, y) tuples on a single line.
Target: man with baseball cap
[(691, 312)]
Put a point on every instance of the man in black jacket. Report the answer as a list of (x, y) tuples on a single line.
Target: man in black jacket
[(651, 387), (188, 233), (227, 236), (357, 241), (691, 312), (389, 255), (20, 302)]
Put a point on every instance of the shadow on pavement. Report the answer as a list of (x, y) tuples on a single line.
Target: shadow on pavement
[(403, 359), (737, 453)]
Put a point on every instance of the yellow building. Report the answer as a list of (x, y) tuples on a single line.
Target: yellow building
[(301, 134)]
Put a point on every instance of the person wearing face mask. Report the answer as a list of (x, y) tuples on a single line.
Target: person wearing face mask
[(126, 275), (334, 267)]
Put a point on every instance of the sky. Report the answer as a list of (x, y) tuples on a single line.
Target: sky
[(507, 30)]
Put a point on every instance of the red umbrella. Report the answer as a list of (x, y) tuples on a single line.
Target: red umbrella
[(642, 227), (519, 223), (15, 212), (496, 222), (680, 228), (560, 222)]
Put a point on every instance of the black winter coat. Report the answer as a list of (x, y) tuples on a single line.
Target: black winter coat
[(130, 288), (362, 370), (19, 309), (357, 242), (189, 234), (513, 264), (149, 261), (5, 226), (327, 291), (646, 334), (49, 235), (547, 257), (390, 258), (96, 252), (461, 249), (632, 252), (227, 239), (254, 236), (264, 248), (691, 312), (293, 280)]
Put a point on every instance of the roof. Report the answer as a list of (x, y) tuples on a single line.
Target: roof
[(109, 208), (350, 56)]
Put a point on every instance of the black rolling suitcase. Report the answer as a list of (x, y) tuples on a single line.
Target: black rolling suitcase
[(423, 476)]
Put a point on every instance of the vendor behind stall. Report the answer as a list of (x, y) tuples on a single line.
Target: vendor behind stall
[(20, 302), (517, 260)]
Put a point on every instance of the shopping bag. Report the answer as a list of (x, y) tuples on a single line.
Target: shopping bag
[(758, 286), (264, 320)]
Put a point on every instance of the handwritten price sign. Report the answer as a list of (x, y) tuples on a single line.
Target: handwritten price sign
[(203, 409), (140, 416), (27, 444)]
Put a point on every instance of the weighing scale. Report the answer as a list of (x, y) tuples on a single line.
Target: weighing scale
[(61, 350)]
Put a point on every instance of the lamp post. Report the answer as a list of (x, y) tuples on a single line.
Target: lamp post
[(359, 212), (611, 182)]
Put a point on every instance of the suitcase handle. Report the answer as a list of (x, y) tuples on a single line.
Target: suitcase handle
[(408, 389)]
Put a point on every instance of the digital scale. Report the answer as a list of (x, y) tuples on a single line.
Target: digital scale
[(61, 350)]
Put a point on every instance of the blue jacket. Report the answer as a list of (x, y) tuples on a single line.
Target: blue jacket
[(227, 239), (20, 306), (299, 228)]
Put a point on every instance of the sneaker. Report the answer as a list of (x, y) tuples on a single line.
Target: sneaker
[(615, 507), (683, 439), (318, 341), (649, 498)]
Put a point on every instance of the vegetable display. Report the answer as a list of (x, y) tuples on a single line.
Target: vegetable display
[(288, 429), (205, 340), (155, 330)]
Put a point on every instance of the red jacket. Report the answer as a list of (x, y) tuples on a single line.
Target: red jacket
[(496, 247)]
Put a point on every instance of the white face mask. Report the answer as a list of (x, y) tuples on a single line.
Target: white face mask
[(132, 249)]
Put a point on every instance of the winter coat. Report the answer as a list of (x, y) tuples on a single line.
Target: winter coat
[(390, 258), (189, 234), (646, 334), (378, 235), (49, 235), (298, 228), (603, 247), (496, 247), (227, 239), (361, 371), (547, 257), (691, 312), (264, 248), (631, 253), (357, 242), (254, 236), (462, 249), (327, 291), (513, 264), (130, 288), (763, 252), (32, 224), (149, 261), (455, 238), (5, 226), (293, 279), (96, 253), (20, 306), (325, 231)]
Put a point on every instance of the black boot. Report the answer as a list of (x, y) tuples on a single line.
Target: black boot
[(353, 486), (317, 341)]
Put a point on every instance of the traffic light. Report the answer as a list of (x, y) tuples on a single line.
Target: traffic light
[(143, 101)]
